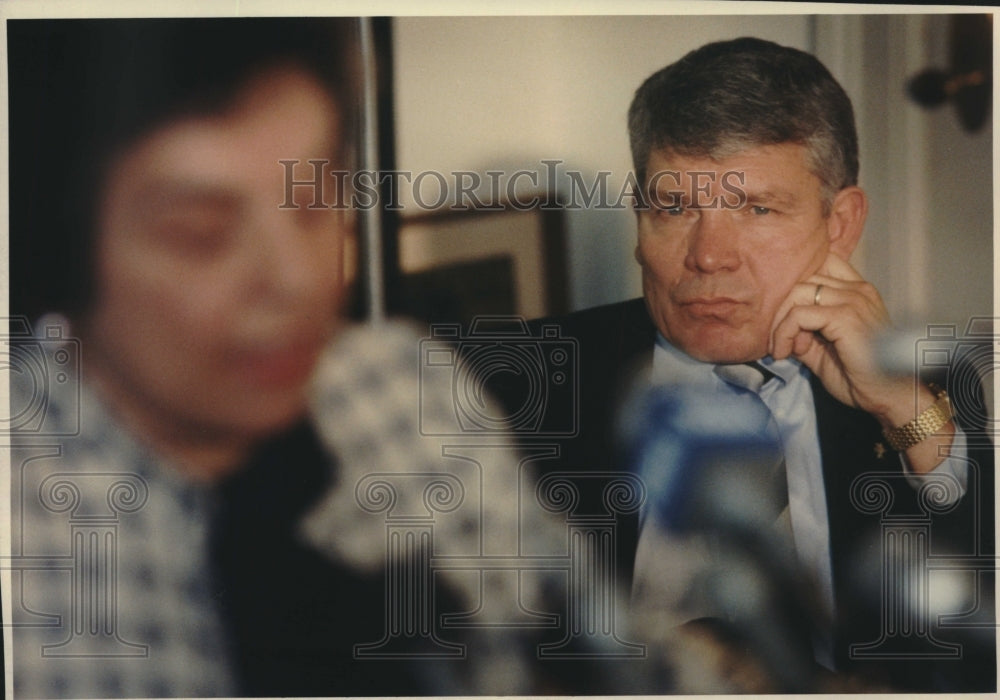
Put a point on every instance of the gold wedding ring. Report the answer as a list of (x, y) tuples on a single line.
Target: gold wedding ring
[(819, 288)]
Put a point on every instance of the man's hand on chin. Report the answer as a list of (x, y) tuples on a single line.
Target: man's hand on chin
[(829, 322)]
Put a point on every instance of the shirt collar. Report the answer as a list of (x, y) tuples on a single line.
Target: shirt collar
[(671, 362)]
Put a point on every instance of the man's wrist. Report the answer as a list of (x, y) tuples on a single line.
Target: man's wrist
[(928, 422)]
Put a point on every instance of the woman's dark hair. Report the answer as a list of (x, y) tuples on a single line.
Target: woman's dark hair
[(82, 91)]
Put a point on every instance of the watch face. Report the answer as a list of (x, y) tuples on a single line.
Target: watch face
[(945, 404), (943, 400)]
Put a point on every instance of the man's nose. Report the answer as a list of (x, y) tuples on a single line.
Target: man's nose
[(713, 242)]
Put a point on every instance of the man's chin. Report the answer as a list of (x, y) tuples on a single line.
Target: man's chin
[(723, 350)]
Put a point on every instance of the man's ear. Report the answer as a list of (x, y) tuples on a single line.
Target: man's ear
[(846, 220)]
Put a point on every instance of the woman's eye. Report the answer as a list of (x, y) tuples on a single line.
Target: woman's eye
[(196, 235)]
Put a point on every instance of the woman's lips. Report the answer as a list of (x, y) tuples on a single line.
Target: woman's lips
[(282, 366)]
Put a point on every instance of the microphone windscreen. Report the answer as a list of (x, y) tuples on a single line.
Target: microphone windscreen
[(391, 426), (707, 461)]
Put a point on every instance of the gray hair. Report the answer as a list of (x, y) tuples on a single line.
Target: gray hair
[(732, 95)]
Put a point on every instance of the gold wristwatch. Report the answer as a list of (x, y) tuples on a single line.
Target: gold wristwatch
[(923, 426)]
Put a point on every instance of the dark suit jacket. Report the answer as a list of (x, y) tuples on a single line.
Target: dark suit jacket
[(293, 616), (617, 340)]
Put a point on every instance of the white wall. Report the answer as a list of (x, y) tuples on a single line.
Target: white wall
[(960, 221), (475, 93), (482, 93), (928, 243)]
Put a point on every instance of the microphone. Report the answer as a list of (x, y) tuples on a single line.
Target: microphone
[(411, 497), (709, 547), (709, 463)]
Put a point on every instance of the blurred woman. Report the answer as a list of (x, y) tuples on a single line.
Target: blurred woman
[(146, 208)]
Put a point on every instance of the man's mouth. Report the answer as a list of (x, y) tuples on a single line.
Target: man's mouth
[(712, 306)]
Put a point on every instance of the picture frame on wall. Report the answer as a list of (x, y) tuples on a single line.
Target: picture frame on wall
[(458, 264)]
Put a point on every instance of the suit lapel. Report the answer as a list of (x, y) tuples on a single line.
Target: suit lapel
[(636, 339), (848, 439)]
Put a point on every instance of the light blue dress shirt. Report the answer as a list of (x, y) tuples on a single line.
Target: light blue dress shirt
[(790, 399)]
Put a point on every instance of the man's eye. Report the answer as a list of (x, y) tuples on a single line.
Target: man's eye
[(675, 210), (759, 210)]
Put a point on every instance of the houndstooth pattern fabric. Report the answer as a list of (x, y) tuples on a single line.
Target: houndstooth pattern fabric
[(388, 422), (111, 595), (403, 460), (376, 409)]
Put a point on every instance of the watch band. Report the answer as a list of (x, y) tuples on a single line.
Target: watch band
[(923, 426)]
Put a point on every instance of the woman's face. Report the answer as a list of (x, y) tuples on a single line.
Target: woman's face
[(212, 303)]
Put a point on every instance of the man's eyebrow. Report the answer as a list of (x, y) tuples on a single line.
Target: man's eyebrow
[(665, 187), (668, 194), (779, 197)]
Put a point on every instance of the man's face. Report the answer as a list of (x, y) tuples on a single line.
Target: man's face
[(212, 304), (724, 242)]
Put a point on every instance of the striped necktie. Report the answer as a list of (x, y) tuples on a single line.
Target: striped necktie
[(752, 376), (748, 375)]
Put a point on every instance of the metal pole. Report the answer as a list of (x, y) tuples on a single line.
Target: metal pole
[(371, 220)]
